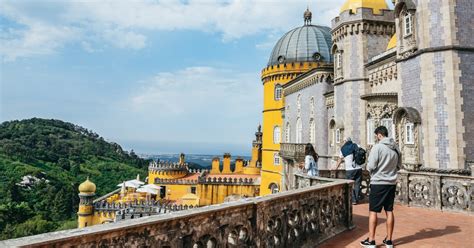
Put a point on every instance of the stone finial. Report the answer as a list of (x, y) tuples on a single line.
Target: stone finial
[(307, 16)]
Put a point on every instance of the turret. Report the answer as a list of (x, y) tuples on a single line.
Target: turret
[(86, 210), (226, 164)]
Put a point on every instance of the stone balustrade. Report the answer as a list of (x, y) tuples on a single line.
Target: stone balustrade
[(303, 217), (436, 189)]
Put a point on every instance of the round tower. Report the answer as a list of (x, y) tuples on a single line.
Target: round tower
[(298, 51), (86, 209)]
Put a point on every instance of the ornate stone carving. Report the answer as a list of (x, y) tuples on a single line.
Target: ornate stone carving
[(273, 232), (419, 192), (454, 195), (378, 110)]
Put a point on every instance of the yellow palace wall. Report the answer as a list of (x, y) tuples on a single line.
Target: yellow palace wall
[(272, 116)]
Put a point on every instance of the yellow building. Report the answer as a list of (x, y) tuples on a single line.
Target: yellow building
[(297, 52), (177, 187)]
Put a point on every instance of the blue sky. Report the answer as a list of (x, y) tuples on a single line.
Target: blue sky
[(155, 76)]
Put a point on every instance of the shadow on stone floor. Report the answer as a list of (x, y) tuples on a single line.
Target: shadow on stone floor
[(427, 233)]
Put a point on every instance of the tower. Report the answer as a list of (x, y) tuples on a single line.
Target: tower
[(361, 31), (86, 209), (298, 51)]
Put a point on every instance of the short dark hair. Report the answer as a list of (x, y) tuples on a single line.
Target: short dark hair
[(381, 130)]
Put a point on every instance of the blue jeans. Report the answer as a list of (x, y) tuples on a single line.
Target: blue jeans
[(355, 175)]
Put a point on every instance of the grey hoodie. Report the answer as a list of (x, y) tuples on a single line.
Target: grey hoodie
[(384, 162)]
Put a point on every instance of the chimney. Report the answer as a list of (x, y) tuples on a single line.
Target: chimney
[(226, 167), (239, 165), (181, 159), (215, 166)]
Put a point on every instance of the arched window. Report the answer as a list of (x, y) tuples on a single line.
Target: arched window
[(298, 103), (276, 135), (278, 91), (312, 131), (276, 158), (274, 188), (287, 132), (299, 131)]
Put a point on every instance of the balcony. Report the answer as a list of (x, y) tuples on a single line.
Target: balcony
[(304, 217)]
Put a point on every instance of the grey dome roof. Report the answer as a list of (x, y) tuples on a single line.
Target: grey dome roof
[(303, 44)]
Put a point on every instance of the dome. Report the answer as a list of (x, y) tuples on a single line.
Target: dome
[(392, 43), (87, 187), (309, 43), (376, 5)]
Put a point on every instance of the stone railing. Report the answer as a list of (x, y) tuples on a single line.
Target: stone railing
[(436, 190), (303, 217)]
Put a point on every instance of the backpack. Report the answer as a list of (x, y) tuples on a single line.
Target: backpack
[(360, 155)]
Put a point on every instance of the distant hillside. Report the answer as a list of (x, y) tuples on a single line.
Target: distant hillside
[(42, 162)]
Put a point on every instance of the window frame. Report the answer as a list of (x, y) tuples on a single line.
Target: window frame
[(312, 131), (338, 135), (299, 131), (287, 132), (412, 133), (276, 158), (278, 92), (407, 23), (278, 139)]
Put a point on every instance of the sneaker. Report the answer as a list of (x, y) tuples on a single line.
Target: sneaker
[(388, 243), (368, 244)]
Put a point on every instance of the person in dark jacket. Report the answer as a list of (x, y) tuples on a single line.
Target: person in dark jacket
[(353, 170)]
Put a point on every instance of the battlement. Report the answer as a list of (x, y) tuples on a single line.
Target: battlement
[(385, 15), (167, 166), (289, 69)]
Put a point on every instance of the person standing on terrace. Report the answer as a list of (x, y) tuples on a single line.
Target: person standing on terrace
[(383, 165), (310, 161)]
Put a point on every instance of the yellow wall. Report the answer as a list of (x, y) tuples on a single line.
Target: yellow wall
[(165, 175), (174, 192), (216, 193), (271, 76)]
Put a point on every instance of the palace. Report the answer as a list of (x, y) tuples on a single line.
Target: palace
[(409, 69), (173, 187)]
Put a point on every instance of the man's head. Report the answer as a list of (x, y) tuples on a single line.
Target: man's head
[(346, 139), (381, 132)]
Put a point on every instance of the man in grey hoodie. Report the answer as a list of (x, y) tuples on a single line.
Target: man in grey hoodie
[(383, 164)]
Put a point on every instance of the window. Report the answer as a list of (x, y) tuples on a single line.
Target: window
[(408, 23), (193, 189), (338, 60), (370, 131), (276, 158), (338, 135), (388, 123), (278, 91), (274, 188), (312, 131), (409, 136), (311, 105), (299, 131), (287, 132), (276, 135), (298, 104)]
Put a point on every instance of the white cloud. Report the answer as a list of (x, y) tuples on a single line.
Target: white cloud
[(126, 24), (198, 89)]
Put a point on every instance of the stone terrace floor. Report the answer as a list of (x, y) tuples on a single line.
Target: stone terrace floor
[(414, 227)]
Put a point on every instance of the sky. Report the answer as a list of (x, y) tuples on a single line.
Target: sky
[(164, 76)]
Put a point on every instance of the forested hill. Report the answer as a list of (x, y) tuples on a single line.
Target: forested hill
[(55, 157)]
